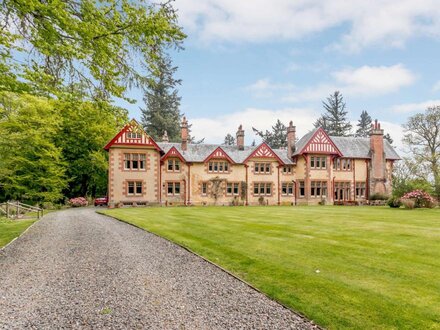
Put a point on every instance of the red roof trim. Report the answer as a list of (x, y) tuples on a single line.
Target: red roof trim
[(264, 144), (132, 123), (320, 129), (212, 155), (175, 154)]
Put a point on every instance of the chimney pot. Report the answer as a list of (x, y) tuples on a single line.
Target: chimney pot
[(184, 133), (291, 132), (240, 138)]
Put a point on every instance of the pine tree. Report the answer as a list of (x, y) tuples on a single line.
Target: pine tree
[(388, 138), (277, 138), (229, 140), (321, 122), (335, 116), (364, 125), (162, 111)]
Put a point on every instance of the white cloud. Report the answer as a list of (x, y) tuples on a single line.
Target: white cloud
[(362, 81), (375, 80), (265, 88), (414, 107), (214, 129), (436, 87), (378, 22)]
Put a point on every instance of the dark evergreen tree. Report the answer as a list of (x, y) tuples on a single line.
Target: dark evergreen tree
[(162, 102), (321, 122), (335, 116), (229, 140), (364, 125), (276, 138), (388, 138)]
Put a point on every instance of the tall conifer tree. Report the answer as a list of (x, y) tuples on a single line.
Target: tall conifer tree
[(364, 125), (335, 116), (162, 102)]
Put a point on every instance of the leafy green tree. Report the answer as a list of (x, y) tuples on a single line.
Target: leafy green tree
[(229, 140), (334, 119), (422, 136), (364, 125), (162, 111), (408, 176), (31, 164), (276, 138), (107, 46), (85, 129)]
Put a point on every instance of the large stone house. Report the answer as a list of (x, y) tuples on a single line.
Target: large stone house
[(317, 168)]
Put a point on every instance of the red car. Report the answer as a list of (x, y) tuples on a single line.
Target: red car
[(101, 201)]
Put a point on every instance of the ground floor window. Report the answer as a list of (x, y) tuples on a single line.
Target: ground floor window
[(302, 189), (360, 189), (134, 188), (318, 189), (232, 189), (173, 188), (204, 188), (262, 189), (342, 191), (287, 188)]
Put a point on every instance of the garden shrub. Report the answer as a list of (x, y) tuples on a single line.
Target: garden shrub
[(78, 202), (408, 203), (394, 202), (378, 197), (420, 199)]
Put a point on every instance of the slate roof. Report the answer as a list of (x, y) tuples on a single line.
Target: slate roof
[(350, 147)]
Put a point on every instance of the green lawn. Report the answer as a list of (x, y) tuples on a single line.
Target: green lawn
[(343, 267), (10, 229)]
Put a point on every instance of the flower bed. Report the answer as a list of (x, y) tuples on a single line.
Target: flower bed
[(418, 198), (78, 202)]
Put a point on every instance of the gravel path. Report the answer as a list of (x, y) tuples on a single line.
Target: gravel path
[(79, 269)]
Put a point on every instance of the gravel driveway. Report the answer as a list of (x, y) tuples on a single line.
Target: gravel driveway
[(79, 269)]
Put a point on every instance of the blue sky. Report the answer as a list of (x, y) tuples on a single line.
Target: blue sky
[(251, 62)]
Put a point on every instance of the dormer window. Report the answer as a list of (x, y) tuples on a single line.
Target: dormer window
[(134, 135)]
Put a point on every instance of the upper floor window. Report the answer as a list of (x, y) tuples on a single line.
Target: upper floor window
[(173, 165), (134, 188), (232, 188), (262, 189), (287, 169), (134, 161), (318, 162), (133, 135), (262, 168), (218, 167), (342, 164)]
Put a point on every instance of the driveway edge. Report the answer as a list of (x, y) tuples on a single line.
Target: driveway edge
[(14, 239)]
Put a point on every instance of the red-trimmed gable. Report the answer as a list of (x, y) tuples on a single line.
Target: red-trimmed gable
[(264, 151), (320, 143), (173, 152), (132, 134), (219, 153)]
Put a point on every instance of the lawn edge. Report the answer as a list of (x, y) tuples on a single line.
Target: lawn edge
[(14, 239), (218, 266)]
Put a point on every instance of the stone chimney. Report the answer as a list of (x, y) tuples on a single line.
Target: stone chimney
[(165, 137), (291, 134), (184, 133), (377, 166), (240, 138)]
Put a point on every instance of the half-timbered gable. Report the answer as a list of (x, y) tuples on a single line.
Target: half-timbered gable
[(173, 153), (320, 143), (132, 135), (264, 151), (219, 153)]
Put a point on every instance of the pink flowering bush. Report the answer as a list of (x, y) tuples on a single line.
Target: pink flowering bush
[(78, 202), (419, 197)]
